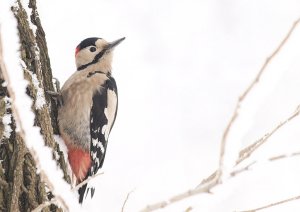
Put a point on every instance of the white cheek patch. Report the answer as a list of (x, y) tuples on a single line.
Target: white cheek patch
[(85, 56)]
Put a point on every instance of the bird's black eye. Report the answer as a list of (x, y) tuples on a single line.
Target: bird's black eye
[(93, 49)]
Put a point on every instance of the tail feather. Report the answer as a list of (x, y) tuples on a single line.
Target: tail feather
[(84, 191), (81, 192)]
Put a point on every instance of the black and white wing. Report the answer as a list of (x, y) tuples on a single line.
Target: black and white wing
[(102, 118)]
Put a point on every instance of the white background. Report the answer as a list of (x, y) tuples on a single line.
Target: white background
[(179, 74)]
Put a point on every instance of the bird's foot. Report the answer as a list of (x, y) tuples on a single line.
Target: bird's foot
[(56, 95)]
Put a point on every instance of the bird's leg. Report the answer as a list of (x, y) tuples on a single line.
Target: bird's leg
[(56, 95)]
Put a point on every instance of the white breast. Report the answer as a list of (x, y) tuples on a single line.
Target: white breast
[(74, 115)]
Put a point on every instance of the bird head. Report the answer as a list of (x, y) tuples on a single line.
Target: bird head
[(95, 53)]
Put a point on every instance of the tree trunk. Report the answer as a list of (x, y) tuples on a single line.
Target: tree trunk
[(21, 188)]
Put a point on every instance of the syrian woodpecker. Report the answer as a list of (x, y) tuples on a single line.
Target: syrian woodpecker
[(88, 109)]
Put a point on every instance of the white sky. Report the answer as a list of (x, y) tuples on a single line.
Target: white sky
[(179, 73)]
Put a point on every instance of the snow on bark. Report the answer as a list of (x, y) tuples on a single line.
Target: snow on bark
[(26, 116)]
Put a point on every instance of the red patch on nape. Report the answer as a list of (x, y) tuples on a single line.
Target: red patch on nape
[(77, 50), (80, 162)]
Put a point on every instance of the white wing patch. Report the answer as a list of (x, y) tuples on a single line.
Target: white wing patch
[(94, 155), (94, 141), (101, 147), (110, 111), (105, 109), (97, 161), (97, 143)]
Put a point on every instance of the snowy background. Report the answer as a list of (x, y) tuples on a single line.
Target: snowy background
[(179, 74)]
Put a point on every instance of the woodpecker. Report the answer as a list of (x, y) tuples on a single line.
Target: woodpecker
[(88, 109)]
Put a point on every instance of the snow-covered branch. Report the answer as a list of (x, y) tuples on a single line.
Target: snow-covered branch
[(36, 169), (36, 148)]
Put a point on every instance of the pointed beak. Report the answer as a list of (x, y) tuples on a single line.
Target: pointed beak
[(113, 44)]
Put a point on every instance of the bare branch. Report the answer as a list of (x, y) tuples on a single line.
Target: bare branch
[(225, 134), (215, 178), (246, 152), (126, 199), (271, 159), (247, 91), (283, 156), (272, 204), (238, 171), (205, 187), (210, 182)]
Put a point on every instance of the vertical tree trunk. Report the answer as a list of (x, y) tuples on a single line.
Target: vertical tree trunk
[(21, 188)]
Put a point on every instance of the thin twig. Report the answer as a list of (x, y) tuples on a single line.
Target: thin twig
[(203, 188), (246, 152), (225, 134), (283, 156), (86, 181), (210, 182), (214, 179), (126, 199), (272, 204), (271, 159), (238, 171)]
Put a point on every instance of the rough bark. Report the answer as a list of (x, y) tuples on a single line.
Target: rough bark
[(21, 188)]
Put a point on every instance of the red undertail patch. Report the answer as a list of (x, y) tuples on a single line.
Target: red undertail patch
[(80, 162)]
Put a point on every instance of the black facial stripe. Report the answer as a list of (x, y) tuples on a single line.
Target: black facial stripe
[(88, 42), (95, 60), (95, 72)]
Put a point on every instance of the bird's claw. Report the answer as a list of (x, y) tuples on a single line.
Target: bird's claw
[(57, 97)]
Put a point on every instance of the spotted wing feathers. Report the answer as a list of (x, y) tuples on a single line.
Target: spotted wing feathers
[(102, 117)]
